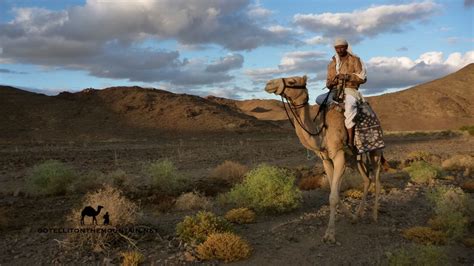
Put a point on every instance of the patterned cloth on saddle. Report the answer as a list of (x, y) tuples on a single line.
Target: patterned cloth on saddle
[(368, 134)]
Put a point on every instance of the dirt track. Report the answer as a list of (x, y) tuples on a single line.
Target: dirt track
[(293, 238)]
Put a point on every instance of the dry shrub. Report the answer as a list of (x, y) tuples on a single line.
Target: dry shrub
[(425, 235), (419, 255), (266, 188), (451, 209), (192, 201), (354, 193), (421, 172), (416, 156), (122, 212), (459, 162), (165, 177), (309, 183), (195, 229), (468, 186), (51, 177), (229, 172), (227, 247), (132, 258), (240, 216), (468, 242)]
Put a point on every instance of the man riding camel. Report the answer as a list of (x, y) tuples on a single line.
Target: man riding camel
[(344, 75)]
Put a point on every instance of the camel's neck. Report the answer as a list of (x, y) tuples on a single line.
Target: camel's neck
[(310, 142)]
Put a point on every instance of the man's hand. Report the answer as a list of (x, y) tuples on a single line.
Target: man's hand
[(345, 77)]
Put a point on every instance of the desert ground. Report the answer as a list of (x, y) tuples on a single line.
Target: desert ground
[(291, 238)]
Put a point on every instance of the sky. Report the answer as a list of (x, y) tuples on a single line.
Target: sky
[(227, 48)]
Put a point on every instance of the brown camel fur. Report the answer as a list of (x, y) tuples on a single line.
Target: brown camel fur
[(328, 145)]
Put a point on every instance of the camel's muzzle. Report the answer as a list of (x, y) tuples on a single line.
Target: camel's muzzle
[(275, 86)]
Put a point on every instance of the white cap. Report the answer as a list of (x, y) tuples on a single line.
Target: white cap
[(340, 41)]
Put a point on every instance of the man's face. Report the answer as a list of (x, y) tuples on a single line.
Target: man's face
[(341, 50)]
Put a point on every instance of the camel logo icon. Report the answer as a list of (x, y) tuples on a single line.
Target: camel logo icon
[(91, 212)]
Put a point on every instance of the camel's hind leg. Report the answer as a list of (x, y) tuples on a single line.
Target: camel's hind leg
[(376, 162), (364, 172)]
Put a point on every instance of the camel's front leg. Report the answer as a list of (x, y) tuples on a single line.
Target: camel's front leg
[(338, 163)]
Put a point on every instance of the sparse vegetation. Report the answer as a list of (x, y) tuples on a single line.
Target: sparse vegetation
[(468, 129), (240, 216), (195, 229), (421, 172), (351, 180), (468, 242), (419, 255), (165, 177), (229, 172), (450, 205), (192, 201), (227, 247), (425, 235), (122, 212), (416, 156), (132, 258), (51, 177), (468, 185), (266, 188)]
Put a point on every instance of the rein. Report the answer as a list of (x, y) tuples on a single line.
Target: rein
[(294, 107)]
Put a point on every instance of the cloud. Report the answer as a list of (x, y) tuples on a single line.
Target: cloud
[(402, 49), (227, 63), (468, 3), (399, 72), (371, 22), (8, 71), (317, 40), (298, 62)]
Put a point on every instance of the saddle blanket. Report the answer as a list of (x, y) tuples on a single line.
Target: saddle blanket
[(368, 134)]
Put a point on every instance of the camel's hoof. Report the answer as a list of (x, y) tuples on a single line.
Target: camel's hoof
[(329, 238)]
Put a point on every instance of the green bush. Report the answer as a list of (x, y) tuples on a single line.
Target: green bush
[(266, 188), (51, 177), (419, 255), (195, 229), (422, 172), (451, 209), (95, 179), (165, 177)]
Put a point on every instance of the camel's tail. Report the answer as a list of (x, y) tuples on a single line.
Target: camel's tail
[(384, 163)]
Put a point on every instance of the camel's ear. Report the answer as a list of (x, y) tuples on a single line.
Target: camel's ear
[(305, 78)]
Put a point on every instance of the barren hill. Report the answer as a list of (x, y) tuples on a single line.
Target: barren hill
[(445, 103), (115, 113)]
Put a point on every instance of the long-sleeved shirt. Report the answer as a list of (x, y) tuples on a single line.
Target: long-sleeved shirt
[(351, 65)]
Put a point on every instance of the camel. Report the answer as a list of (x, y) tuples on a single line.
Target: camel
[(327, 143), (89, 211)]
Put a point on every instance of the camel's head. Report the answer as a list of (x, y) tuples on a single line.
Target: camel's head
[(293, 89), (100, 207)]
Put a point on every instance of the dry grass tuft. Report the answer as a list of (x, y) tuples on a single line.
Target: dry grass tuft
[(132, 258), (192, 201), (227, 247), (468, 242), (425, 235), (354, 193), (459, 162), (310, 183), (415, 156), (195, 229), (122, 212), (229, 172), (468, 186), (240, 216)]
